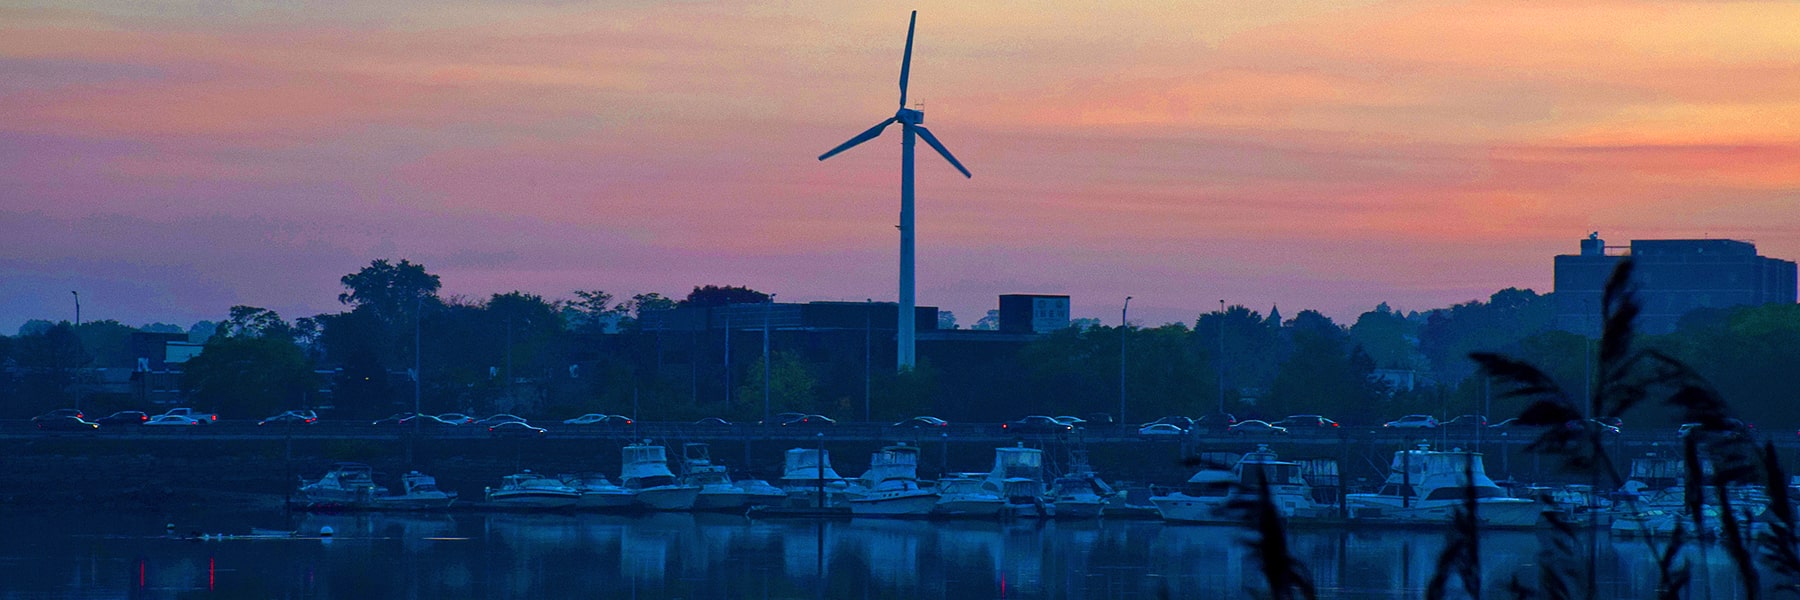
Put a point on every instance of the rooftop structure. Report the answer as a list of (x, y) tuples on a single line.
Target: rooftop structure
[(1673, 278)]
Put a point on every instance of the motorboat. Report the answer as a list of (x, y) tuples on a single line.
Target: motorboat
[(760, 493), (1204, 497), (531, 490), (418, 492), (716, 491), (1018, 478), (346, 486), (807, 478), (891, 486), (1079, 493), (645, 470), (1427, 486), (599, 493), (961, 495)]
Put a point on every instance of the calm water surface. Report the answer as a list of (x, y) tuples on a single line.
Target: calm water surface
[(62, 555)]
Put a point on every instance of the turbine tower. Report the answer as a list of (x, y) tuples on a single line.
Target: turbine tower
[(912, 124)]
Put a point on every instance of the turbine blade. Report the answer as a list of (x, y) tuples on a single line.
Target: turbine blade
[(860, 138), (935, 145), (906, 61)]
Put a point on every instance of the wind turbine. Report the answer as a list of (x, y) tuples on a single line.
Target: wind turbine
[(912, 124)]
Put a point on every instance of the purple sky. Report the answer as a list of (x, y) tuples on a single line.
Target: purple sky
[(170, 159)]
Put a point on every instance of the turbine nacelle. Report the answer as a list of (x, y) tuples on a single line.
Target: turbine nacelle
[(910, 116)]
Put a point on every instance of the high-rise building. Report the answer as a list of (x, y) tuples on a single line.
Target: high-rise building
[(1673, 277)]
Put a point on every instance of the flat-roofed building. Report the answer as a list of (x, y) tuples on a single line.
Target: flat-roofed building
[(1673, 278)]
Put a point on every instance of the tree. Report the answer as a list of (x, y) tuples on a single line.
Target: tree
[(641, 304), (390, 291), (792, 387), (1388, 337), (1325, 374), (49, 363), (592, 311), (250, 367), (712, 295)]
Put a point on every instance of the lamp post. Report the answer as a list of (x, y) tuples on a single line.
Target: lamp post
[(868, 334), (78, 334), (418, 369), (1124, 326), (1221, 356), (768, 306)]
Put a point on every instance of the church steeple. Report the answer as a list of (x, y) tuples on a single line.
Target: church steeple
[(1274, 320)]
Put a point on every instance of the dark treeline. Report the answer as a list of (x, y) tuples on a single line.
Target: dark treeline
[(524, 353)]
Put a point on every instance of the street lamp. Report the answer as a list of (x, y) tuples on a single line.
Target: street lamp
[(418, 362), (77, 333), (1221, 356), (868, 334), (1124, 325), (768, 305)]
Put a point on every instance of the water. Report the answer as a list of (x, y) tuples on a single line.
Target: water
[(64, 555)]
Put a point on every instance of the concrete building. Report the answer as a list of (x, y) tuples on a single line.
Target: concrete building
[(1673, 278), (1033, 313)]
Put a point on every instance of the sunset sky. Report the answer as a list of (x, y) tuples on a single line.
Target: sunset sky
[(172, 158)]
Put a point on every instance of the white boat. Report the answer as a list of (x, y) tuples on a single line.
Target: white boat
[(1426, 486), (961, 495), (807, 477), (531, 490), (891, 486), (760, 493), (1018, 478), (645, 470), (418, 492), (1203, 498), (1079, 493), (345, 486), (716, 491), (599, 493)]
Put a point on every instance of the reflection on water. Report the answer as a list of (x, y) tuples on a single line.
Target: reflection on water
[(688, 556)]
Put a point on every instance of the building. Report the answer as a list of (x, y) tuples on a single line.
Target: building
[(1033, 313), (1673, 278)]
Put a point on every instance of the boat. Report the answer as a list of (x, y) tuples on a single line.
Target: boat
[(1427, 486), (809, 480), (891, 487), (1018, 478), (961, 495), (531, 490), (418, 492), (346, 486), (1079, 493), (645, 470), (1204, 497), (760, 493), (599, 493), (716, 491)]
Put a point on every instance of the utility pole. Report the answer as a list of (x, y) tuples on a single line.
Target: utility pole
[(727, 355), (868, 335), (77, 332), (768, 305), (1124, 326), (1221, 356), (418, 369)]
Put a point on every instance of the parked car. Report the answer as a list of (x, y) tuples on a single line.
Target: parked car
[(599, 419), (1180, 422), (394, 419), (713, 422), (1600, 424), (292, 417), (61, 412), (456, 418), (1255, 427), (810, 421), (1294, 422), (1466, 421), (161, 420), (1215, 422), (1161, 430), (1036, 424), (781, 419), (1413, 422), (202, 417), (1731, 428), (515, 428), (63, 423), (1076, 422), (1097, 419), (923, 423), (124, 417), (498, 419), (425, 421)]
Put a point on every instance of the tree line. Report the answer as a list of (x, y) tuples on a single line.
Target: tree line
[(591, 352)]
